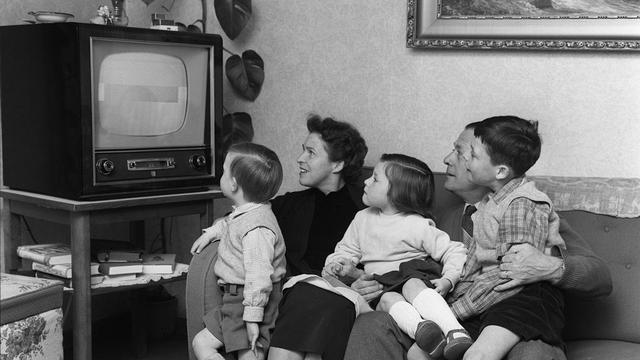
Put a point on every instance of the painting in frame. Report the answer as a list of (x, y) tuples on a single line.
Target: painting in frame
[(524, 24)]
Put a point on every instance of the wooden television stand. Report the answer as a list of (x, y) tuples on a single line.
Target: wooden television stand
[(80, 216)]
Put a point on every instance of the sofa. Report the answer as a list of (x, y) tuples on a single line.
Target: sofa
[(606, 212), (31, 318)]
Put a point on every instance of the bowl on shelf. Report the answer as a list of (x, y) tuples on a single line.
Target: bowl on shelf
[(50, 16)]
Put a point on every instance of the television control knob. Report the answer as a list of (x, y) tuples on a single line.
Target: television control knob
[(198, 161), (105, 166)]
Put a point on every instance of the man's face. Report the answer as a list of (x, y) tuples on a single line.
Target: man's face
[(458, 178)]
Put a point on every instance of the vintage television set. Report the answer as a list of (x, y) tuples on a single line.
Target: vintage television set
[(94, 112)]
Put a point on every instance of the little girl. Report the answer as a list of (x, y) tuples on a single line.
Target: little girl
[(392, 238)]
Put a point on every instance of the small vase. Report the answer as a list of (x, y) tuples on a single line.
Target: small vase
[(119, 13)]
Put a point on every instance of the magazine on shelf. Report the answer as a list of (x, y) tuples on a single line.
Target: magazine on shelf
[(118, 279), (68, 282), (158, 263), (62, 270), (48, 254), (119, 268)]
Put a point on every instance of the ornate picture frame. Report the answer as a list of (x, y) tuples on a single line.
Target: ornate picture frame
[(428, 28)]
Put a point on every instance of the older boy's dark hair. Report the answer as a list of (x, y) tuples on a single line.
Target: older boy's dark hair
[(257, 171), (411, 184), (344, 143), (510, 141)]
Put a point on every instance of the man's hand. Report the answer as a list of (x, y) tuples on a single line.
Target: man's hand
[(367, 287), (524, 264), (200, 243), (252, 333), (442, 286)]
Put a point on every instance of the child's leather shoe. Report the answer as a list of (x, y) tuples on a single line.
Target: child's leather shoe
[(458, 341), (430, 339)]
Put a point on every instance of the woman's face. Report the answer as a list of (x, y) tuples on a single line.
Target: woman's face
[(315, 168)]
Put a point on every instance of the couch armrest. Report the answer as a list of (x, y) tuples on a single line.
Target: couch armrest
[(202, 291)]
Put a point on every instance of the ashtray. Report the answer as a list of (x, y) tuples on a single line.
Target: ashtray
[(50, 16)]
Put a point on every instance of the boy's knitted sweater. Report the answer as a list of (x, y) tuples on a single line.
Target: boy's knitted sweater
[(251, 253)]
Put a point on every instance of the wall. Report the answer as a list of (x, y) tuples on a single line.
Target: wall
[(348, 59)]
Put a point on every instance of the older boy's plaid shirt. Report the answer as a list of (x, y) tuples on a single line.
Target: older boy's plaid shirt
[(523, 221)]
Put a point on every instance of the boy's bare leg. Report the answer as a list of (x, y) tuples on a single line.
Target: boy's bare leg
[(276, 353), (493, 343), (312, 356), (250, 355), (205, 346), (415, 353)]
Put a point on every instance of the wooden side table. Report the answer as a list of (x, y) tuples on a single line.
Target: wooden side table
[(80, 215)]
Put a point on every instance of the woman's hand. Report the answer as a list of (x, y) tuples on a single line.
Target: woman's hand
[(367, 287), (201, 242)]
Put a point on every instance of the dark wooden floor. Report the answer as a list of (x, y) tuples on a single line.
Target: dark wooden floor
[(112, 340)]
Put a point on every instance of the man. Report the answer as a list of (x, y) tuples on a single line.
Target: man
[(578, 272)]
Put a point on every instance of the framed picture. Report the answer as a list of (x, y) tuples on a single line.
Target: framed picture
[(524, 24)]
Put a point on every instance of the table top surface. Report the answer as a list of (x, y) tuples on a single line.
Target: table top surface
[(79, 205)]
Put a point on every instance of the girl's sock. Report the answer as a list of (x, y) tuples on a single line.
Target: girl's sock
[(431, 306), (406, 317)]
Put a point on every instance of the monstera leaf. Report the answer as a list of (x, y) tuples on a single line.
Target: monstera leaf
[(233, 15), (246, 74), (237, 128)]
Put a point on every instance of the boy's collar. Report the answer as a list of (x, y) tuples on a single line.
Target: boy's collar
[(506, 189), (241, 209)]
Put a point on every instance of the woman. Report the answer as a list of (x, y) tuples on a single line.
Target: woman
[(312, 222)]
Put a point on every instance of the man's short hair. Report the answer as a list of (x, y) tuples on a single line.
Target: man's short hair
[(257, 171), (510, 141), (344, 143)]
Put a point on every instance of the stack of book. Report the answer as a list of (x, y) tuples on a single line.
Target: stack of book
[(120, 265), (121, 262), (54, 261)]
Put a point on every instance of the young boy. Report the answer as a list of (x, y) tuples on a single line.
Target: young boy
[(251, 260), (504, 148)]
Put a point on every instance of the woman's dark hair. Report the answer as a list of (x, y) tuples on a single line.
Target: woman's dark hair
[(411, 184), (344, 143)]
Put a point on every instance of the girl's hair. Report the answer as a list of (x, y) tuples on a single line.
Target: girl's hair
[(343, 143), (257, 171), (411, 184)]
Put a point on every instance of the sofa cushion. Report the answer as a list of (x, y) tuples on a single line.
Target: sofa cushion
[(24, 296), (602, 349), (613, 317)]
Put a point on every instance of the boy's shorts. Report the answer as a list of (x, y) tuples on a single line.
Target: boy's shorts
[(226, 324)]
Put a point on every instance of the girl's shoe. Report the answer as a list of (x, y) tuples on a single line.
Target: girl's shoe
[(458, 341), (430, 339)]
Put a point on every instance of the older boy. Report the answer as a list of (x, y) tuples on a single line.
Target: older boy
[(515, 212)]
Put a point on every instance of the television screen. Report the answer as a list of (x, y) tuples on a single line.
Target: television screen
[(148, 94), (142, 103)]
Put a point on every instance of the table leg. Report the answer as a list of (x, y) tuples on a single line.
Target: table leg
[(11, 238), (81, 272), (206, 219)]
